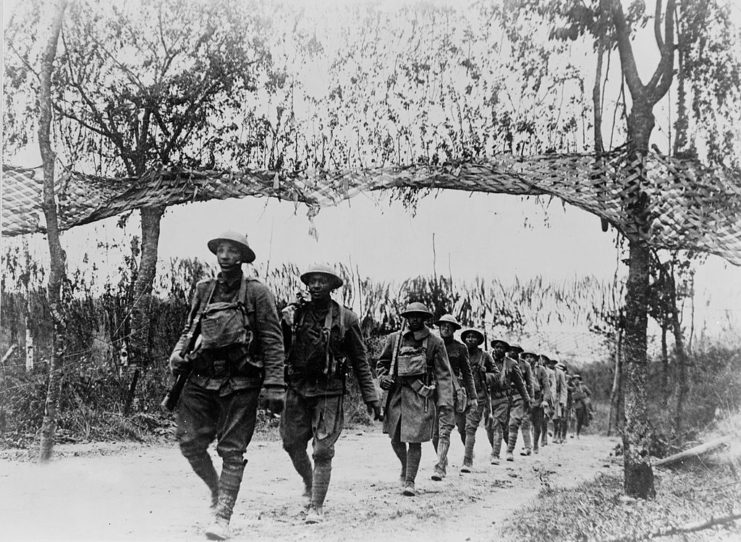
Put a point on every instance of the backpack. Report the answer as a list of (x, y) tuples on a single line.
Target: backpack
[(226, 323)]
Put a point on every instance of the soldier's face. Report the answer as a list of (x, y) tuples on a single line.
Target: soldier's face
[(320, 286), (499, 350), (446, 330), (228, 255), (416, 321), (472, 341)]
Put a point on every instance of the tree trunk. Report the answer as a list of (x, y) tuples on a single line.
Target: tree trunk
[(639, 478), (56, 254)]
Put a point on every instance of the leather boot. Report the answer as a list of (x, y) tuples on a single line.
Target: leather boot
[(442, 460), (468, 454)]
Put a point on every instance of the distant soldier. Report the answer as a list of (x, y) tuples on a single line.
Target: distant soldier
[(541, 399), (582, 404), (241, 349), (320, 336), (549, 367), (483, 370), (562, 395), (415, 371), (519, 405), (509, 380), (458, 358)]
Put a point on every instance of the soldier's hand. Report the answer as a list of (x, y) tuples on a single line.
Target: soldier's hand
[(275, 399), (544, 404), (473, 403), (289, 314), (178, 364), (374, 409), (386, 382)]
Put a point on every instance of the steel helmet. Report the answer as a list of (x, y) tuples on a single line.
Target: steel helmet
[(448, 319), (248, 256), (321, 269)]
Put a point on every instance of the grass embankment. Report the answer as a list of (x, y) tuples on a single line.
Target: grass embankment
[(689, 493)]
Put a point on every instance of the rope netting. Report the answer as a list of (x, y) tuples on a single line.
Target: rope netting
[(686, 205)]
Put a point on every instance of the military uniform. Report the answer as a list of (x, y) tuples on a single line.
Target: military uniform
[(483, 370), (322, 337), (519, 409), (501, 389), (241, 350), (541, 397), (414, 367)]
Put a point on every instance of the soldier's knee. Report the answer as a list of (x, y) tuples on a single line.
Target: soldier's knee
[(193, 448), (323, 454)]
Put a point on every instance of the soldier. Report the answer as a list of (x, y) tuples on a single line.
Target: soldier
[(541, 399), (415, 371), (483, 370), (582, 404), (549, 366), (500, 390), (519, 405), (559, 417), (241, 349), (458, 358), (320, 335)]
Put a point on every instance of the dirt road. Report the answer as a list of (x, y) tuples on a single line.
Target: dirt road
[(138, 493)]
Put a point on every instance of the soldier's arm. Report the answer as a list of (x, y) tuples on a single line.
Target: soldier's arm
[(269, 334), (443, 376), (383, 365), (358, 355), (545, 386), (467, 374), (516, 376)]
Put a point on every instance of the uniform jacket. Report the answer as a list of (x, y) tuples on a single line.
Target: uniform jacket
[(407, 410), (554, 385), (483, 370), (266, 352), (460, 365), (561, 386), (345, 343), (527, 376), (542, 385), (509, 382)]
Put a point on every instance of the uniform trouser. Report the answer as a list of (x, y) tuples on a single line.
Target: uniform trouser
[(527, 431), (445, 420), (204, 415), (537, 416), (321, 420), (581, 419), (516, 415), (473, 419), (499, 417)]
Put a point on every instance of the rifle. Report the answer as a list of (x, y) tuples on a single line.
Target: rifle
[(190, 344)]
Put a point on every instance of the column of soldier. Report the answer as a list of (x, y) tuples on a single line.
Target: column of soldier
[(235, 343)]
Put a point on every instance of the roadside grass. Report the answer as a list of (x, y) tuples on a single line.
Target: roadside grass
[(597, 511)]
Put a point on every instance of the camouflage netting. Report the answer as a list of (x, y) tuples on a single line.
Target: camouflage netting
[(686, 204)]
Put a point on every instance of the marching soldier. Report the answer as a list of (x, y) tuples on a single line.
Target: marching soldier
[(559, 417), (241, 349), (510, 379), (582, 404), (519, 405), (415, 371), (458, 358), (541, 397), (483, 370), (321, 335)]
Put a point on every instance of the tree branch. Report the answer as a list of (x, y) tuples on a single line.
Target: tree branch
[(627, 59), (657, 26), (662, 77)]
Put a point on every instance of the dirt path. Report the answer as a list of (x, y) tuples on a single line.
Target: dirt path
[(149, 493)]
